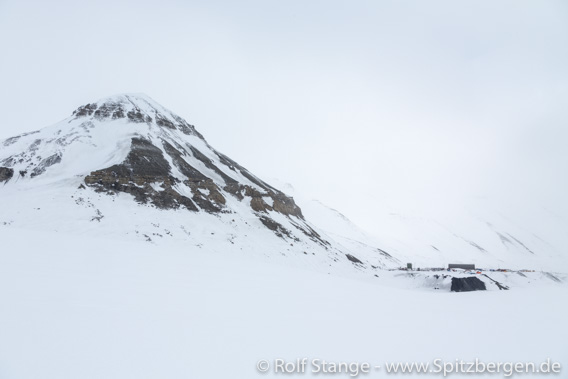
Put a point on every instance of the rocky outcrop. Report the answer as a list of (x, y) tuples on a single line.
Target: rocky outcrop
[(279, 202), (354, 259), (206, 194), (277, 228), (146, 168), (85, 110), (45, 163), (285, 205), (6, 174), (31, 159), (145, 174), (124, 107), (499, 285)]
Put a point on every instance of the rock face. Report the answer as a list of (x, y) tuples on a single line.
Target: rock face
[(147, 173), (144, 166), (6, 174), (135, 108), (45, 163), (471, 283)]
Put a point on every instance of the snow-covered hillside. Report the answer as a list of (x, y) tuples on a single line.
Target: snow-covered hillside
[(127, 168), (490, 232), (484, 231)]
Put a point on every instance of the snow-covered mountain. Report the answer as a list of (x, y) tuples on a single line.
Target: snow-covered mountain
[(126, 167)]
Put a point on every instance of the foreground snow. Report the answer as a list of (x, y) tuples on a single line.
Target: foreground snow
[(74, 307)]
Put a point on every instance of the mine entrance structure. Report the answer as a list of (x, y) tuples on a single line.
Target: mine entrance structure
[(465, 266)]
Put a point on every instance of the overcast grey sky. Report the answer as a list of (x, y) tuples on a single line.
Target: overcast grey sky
[(353, 102)]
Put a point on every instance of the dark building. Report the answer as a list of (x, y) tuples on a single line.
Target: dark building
[(465, 266)]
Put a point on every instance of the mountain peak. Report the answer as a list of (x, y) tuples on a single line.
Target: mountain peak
[(139, 100), (136, 108), (128, 144)]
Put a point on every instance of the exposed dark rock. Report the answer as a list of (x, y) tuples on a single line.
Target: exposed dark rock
[(472, 243), (477, 246), (310, 233), (136, 115), (6, 174), (353, 259), (285, 205), (85, 110), (122, 108), (11, 141), (443, 276), (499, 285), (552, 277), (44, 164), (162, 121), (278, 229), (27, 156), (504, 240), (522, 244), (192, 174), (258, 204), (35, 145), (281, 203), (144, 165), (235, 166), (146, 160), (471, 283), (230, 182), (110, 110), (384, 253), (205, 192), (98, 216), (8, 161), (185, 127)]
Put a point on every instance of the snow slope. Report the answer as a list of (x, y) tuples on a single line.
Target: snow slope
[(490, 232), (486, 232)]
